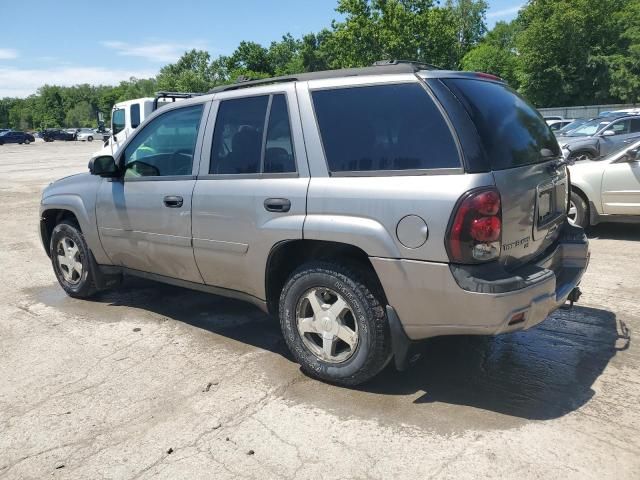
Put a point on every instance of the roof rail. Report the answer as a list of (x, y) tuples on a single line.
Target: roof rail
[(378, 68), (415, 63), (244, 82), (173, 96)]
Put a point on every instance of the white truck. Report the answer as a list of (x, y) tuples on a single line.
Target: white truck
[(128, 115)]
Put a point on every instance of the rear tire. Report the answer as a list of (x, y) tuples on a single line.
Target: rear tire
[(361, 320), (89, 139), (578, 210), (71, 260)]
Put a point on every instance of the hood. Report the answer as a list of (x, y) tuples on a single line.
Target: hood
[(71, 185), (576, 141)]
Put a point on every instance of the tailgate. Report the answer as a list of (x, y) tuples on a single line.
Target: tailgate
[(534, 205), (523, 156)]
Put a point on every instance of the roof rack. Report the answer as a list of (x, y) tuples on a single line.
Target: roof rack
[(173, 96), (378, 68), (417, 65)]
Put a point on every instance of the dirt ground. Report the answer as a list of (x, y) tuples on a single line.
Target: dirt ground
[(157, 381)]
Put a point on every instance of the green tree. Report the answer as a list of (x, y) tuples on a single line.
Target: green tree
[(191, 73), (562, 50), (496, 54), (625, 65), (80, 115)]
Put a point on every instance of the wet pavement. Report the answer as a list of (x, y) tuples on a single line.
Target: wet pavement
[(152, 380)]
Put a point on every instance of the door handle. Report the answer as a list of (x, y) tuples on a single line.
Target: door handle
[(277, 205), (173, 201)]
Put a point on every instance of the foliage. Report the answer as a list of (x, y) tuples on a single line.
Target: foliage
[(556, 52)]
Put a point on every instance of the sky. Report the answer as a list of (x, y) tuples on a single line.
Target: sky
[(66, 42)]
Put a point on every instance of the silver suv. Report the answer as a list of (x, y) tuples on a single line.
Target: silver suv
[(366, 209)]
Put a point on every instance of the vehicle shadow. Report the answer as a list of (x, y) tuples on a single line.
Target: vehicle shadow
[(233, 319), (543, 373), (615, 231), (539, 374)]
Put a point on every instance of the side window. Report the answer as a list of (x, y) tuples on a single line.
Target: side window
[(384, 127), (237, 138), (278, 156), (621, 128), (635, 125), (117, 121), (165, 146), (135, 115)]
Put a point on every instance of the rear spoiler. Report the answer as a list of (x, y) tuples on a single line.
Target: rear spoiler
[(173, 96)]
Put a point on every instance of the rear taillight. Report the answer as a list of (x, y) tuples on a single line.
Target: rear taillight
[(475, 232)]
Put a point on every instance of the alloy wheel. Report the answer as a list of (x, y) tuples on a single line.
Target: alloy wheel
[(69, 260), (327, 325)]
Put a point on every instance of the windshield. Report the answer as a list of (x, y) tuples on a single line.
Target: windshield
[(571, 126), (589, 128)]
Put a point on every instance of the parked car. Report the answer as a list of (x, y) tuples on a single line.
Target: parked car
[(552, 118), (89, 134), (12, 136), (57, 134), (556, 125), (365, 208), (607, 190), (599, 137)]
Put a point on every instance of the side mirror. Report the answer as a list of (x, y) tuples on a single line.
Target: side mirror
[(608, 133), (104, 166)]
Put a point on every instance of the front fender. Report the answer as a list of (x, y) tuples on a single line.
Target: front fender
[(84, 211)]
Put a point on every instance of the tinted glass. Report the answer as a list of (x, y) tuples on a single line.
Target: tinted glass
[(165, 146), (511, 131), (386, 127), (135, 115), (635, 125), (620, 127), (278, 156), (237, 139), (117, 121)]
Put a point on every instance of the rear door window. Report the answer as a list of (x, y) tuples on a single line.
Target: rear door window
[(383, 127), (511, 131), (239, 143), (237, 139)]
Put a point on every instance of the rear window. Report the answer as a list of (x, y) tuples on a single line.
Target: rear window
[(384, 127), (511, 131)]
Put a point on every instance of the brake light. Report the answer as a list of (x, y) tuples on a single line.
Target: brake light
[(488, 76), (475, 232)]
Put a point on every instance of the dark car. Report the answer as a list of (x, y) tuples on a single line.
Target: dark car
[(599, 137), (12, 136), (57, 134)]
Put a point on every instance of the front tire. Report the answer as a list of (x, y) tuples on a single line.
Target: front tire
[(71, 260), (27, 141), (578, 211), (334, 325), (89, 139)]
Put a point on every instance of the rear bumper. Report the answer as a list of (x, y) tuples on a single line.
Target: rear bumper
[(434, 299)]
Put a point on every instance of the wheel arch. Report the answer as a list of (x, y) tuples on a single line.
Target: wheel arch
[(49, 218), (288, 255)]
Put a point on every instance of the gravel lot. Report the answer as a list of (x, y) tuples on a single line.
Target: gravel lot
[(156, 381)]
